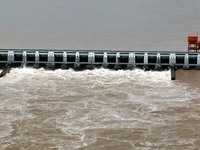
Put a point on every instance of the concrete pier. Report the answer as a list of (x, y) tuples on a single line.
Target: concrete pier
[(82, 59), (173, 73)]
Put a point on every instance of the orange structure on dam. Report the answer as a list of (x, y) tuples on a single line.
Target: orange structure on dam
[(193, 44)]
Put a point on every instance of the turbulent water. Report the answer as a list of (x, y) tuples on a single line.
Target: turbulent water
[(99, 109), (104, 109)]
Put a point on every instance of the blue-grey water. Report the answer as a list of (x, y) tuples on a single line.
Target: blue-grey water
[(93, 24), (99, 109)]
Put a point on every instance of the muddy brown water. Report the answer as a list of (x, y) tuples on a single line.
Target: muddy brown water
[(100, 108)]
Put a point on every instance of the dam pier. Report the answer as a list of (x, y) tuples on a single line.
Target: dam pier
[(88, 59)]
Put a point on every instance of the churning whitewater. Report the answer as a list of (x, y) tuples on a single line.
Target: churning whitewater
[(69, 109), (99, 109)]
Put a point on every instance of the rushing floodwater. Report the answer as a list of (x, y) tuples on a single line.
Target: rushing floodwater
[(99, 109)]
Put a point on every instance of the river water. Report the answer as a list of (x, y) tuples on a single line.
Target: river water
[(100, 108)]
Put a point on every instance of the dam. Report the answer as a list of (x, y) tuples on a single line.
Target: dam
[(89, 59)]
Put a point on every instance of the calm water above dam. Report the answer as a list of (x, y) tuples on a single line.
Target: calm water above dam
[(92, 24), (100, 108)]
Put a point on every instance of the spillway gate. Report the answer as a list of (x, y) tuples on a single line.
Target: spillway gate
[(82, 59)]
